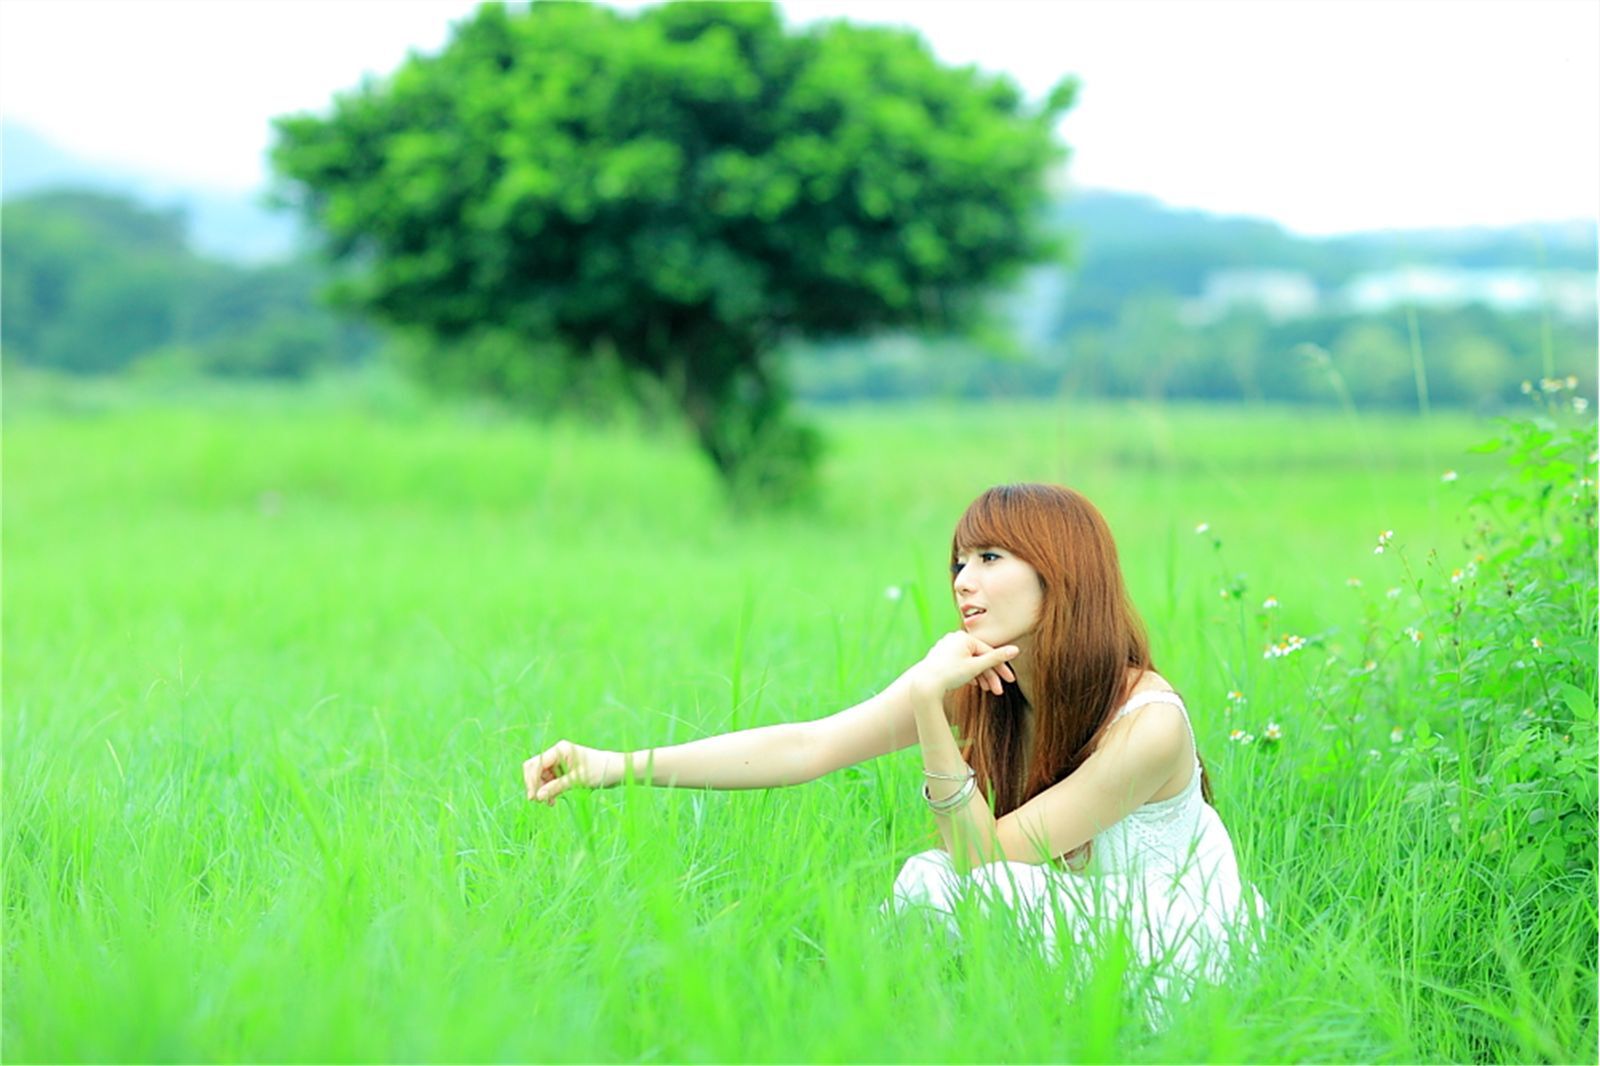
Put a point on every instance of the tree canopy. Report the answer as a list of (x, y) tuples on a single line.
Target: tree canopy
[(681, 189)]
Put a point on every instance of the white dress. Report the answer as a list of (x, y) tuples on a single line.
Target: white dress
[(1164, 877)]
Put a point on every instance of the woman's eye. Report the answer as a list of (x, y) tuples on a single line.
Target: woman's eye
[(988, 557)]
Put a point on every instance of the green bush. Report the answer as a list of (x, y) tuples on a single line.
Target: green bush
[(1448, 775), (1518, 659)]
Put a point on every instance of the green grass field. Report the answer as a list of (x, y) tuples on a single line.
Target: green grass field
[(272, 663)]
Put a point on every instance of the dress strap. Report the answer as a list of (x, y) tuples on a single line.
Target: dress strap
[(1155, 695)]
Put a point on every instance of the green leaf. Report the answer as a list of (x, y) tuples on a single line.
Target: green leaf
[(1555, 851), (1581, 703)]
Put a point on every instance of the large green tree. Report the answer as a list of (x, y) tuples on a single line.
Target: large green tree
[(681, 189)]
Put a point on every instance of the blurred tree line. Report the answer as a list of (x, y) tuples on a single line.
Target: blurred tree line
[(1473, 356), (95, 283), (1119, 320)]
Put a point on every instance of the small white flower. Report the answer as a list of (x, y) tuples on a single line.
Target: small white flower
[(1527, 387), (1552, 384), (1572, 381), (1202, 528), (1448, 476), (1352, 582), (1456, 576), (893, 593), (1272, 732), (1579, 404), (1393, 594), (1374, 753), (1270, 603), (1224, 593), (1235, 696), (1369, 666), (1538, 645), (1286, 646), (1396, 735), (1414, 633)]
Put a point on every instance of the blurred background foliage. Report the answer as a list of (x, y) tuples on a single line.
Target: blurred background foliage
[(96, 283), (699, 212)]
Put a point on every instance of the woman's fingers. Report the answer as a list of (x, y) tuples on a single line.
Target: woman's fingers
[(547, 766), (991, 663), (992, 680), (997, 659), (548, 791), (960, 658)]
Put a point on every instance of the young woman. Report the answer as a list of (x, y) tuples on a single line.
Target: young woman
[(1074, 789)]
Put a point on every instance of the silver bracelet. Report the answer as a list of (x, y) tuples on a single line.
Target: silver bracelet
[(954, 802), (949, 777)]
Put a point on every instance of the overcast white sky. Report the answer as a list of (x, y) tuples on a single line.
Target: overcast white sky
[(1324, 115)]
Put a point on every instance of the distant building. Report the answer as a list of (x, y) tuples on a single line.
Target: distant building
[(1278, 294), (1568, 293)]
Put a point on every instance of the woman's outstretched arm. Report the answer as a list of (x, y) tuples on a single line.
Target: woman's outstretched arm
[(787, 754)]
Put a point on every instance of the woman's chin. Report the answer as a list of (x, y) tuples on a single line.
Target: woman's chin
[(993, 636)]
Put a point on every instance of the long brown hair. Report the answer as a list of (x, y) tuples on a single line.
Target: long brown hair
[(1087, 638)]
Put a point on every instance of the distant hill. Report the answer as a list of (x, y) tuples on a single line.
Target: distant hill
[(220, 224), (1115, 232), (1121, 241)]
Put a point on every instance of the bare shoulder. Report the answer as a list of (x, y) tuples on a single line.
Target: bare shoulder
[(1159, 728), (1148, 681)]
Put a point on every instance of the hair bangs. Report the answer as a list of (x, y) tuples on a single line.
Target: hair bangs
[(994, 520)]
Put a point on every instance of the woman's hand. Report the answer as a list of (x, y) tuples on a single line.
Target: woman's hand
[(559, 768), (958, 659)]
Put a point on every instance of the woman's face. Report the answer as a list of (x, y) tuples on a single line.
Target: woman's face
[(999, 596)]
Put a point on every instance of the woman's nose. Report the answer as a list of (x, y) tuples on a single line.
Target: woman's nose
[(962, 581)]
